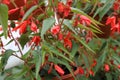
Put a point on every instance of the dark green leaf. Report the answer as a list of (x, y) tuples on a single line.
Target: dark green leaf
[(23, 40), (5, 57), (4, 18), (69, 25), (47, 24), (29, 12)]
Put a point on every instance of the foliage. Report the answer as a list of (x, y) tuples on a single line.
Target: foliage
[(62, 35)]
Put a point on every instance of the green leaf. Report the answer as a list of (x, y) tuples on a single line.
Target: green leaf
[(83, 43), (5, 57), (106, 8), (4, 18), (55, 51), (37, 61), (109, 76), (23, 39), (86, 61), (69, 25), (47, 24), (74, 49), (101, 61), (29, 12)]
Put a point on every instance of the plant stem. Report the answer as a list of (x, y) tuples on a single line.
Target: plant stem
[(16, 42)]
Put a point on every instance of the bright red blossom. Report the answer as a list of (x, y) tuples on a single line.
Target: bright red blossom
[(55, 29), (84, 20), (66, 11), (69, 2), (60, 7), (13, 11), (22, 27), (67, 41), (59, 69), (6, 1), (60, 36), (81, 70), (118, 66), (36, 40), (111, 21), (106, 67), (116, 6), (0, 28), (33, 27)]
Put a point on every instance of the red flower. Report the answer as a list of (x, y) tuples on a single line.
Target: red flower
[(60, 36), (94, 63), (118, 66), (106, 67), (81, 71), (55, 29), (13, 11), (91, 72), (0, 28), (116, 6), (60, 7), (84, 20), (69, 2), (66, 10), (67, 41), (22, 27), (59, 69), (6, 1), (36, 40), (33, 27), (115, 28), (111, 21)]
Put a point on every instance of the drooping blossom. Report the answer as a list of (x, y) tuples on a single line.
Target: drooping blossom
[(13, 11), (36, 40), (116, 6), (115, 28), (6, 1), (60, 7), (59, 69), (33, 27), (69, 2), (60, 36), (118, 66), (84, 20), (91, 72), (106, 67), (94, 63), (0, 28), (67, 41), (66, 10), (22, 27), (81, 71), (111, 21), (55, 29)]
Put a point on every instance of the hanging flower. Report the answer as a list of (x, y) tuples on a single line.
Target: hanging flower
[(36, 40), (84, 20), (66, 10), (22, 27), (59, 69), (111, 21), (69, 2), (116, 6), (115, 28), (81, 71), (67, 41), (55, 29), (13, 11), (60, 36), (106, 67), (33, 27), (6, 1), (60, 7)]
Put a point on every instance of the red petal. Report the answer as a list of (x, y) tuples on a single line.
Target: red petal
[(59, 69), (33, 27), (13, 11)]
